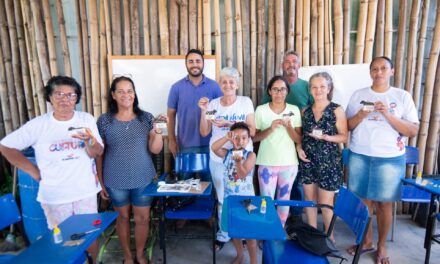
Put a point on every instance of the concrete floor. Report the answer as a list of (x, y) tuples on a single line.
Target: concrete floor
[(406, 248)]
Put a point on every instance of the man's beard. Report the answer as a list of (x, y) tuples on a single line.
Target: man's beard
[(195, 75)]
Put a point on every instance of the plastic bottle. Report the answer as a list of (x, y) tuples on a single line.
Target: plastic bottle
[(57, 237), (419, 178), (263, 206)]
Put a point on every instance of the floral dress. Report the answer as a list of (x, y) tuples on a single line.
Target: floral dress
[(325, 166)]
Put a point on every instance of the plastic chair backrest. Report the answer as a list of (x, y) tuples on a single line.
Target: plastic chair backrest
[(414, 194), (192, 163), (9, 211), (411, 155), (353, 212)]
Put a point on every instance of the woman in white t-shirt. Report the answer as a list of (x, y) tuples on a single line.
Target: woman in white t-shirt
[(217, 117), (65, 142), (379, 117)]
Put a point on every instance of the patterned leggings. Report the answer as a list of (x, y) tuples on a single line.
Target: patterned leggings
[(281, 178)]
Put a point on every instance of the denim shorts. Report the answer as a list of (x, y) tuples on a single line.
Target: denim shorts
[(375, 178), (123, 197)]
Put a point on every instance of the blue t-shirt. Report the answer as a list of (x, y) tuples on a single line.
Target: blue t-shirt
[(184, 97), (127, 160)]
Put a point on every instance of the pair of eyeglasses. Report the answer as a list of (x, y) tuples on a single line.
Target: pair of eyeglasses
[(61, 95), (280, 90)]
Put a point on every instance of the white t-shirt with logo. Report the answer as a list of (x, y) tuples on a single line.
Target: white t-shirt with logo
[(374, 135), (237, 112), (67, 172)]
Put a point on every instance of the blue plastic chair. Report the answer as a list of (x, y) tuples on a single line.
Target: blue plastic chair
[(410, 194), (204, 207), (10, 215), (349, 208)]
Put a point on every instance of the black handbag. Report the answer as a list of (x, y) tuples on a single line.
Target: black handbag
[(175, 203)]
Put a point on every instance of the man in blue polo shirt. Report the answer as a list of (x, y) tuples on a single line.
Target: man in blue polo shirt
[(182, 100)]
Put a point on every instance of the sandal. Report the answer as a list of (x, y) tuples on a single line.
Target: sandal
[(352, 250), (382, 259), (218, 245)]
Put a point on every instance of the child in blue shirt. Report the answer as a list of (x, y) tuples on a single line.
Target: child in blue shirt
[(239, 166)]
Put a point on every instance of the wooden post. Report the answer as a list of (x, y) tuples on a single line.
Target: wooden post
[(86, 54), (200, 25), (380, 26), (94, 58), (314, 33), (434, 128), (400, 51), (420, 53), (218, 39), (339, 31), (146, 27), (103, 69), (27, 85), (127, 31), (270, 55), (429, 87), (6, 111), (163, 28), (412, 46), (229, 34), (81, 80), (261, 49), (183, 27), (17, 78), (279, 36), (63, 37), (328, 41), (192, 25), (37, 83), (347, 21), (371, 26), (154, 28), (207, 27), (50, 38), (239, 30), (360, 38), (254, 52), (290, 39), (174, 27), (115, 7), (321, 22), (388, 42), (246, 77), (306, 33), (108, 29), (299, 27), (41, 48), (134, 14)]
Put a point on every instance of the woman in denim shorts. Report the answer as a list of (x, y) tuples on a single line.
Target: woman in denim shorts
[(380, 118), (126, 167)]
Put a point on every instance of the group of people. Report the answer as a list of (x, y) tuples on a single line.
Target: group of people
[(298, 126)]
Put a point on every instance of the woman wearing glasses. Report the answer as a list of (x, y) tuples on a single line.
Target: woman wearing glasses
[(278, 127), (126, 167), (65, 142)]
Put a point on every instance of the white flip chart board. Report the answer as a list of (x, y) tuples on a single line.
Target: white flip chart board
[(153, 76), (347, 78)]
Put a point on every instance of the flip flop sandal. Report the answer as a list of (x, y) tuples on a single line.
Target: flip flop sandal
[(219, 245), (382, 259), (352, 250)]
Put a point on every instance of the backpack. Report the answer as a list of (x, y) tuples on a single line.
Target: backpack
[(312, 239)]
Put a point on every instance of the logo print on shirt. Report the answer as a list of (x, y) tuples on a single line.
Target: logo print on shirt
[(66, 145)]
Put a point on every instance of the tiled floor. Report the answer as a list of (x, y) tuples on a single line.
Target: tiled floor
[(406, 248)]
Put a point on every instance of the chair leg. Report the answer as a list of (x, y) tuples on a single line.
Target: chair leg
[(394, 221)]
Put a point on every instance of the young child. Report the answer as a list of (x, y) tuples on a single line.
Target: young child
[(239, 164)]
